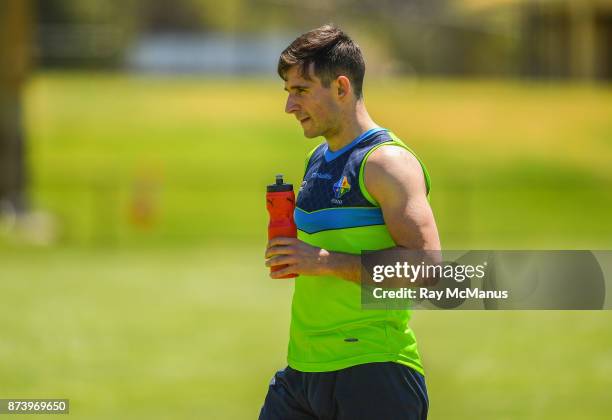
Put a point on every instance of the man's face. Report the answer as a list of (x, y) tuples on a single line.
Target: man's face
[(314, 105)]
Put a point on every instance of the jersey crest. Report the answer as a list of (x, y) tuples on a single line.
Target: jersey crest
[(341, 187)]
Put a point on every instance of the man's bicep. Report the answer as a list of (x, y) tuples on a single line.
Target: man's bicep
[(412, 225), (394, 178)]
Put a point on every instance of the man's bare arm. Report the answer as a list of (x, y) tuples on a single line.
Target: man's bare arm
[(394, 178)]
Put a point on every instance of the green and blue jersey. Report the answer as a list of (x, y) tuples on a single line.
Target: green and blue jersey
[(329, 329)]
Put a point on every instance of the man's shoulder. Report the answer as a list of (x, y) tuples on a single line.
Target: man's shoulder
[(390, 162), (315, 149), (315, 152), (388, 156), (393, 167)]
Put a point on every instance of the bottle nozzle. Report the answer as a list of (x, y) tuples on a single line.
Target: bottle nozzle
[(279, 185)]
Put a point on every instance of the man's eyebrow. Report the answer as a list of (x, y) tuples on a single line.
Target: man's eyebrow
[(295, 87)]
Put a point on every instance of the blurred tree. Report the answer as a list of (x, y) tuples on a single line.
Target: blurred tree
[(15, 30), (89, 34), (195, 15), (161, 16)]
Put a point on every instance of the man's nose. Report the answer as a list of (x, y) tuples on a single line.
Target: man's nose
[(290, 106)]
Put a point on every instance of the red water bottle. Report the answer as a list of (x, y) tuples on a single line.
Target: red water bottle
[(280, 202)]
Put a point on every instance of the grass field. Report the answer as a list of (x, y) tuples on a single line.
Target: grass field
[(513, 165), (177, 318)]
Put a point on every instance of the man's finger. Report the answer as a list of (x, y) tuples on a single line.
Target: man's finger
[(291, 269), (280, 250), (280, 260), (281, 241)]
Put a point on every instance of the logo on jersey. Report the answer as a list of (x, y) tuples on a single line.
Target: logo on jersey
[(341, 187), (320, 175)]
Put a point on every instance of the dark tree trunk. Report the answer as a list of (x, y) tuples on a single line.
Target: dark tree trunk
[(15, 27)]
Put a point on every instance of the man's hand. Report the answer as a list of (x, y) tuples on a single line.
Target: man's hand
[(298, 256), (395, 179)]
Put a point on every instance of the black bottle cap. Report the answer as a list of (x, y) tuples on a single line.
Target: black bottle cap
[(280, 185)]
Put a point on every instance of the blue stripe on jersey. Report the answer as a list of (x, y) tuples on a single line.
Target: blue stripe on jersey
[(337, 218), (329, 155)]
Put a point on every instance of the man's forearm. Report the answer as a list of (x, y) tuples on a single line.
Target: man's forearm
[(348, 266), (344, 266)]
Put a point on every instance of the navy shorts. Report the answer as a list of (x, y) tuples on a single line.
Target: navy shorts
[(385, 390)]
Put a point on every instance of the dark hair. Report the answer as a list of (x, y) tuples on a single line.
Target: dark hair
[(332, 52)]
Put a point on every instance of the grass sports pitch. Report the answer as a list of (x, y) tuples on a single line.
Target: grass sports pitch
[(180, 319)]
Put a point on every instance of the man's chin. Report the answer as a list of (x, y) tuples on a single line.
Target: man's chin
[(311, 134)]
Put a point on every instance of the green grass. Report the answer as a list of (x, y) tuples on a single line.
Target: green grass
[(513, 165), (198, 333), (178, 318), (142, 334)]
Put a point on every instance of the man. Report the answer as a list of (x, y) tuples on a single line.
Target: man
[(362, 190)]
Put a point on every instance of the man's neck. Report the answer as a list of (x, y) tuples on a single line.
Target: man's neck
[(351, 126)]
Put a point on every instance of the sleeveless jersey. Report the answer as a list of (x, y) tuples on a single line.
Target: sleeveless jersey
[(334, 211)]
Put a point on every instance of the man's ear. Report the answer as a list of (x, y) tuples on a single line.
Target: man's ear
[(343, 86)]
